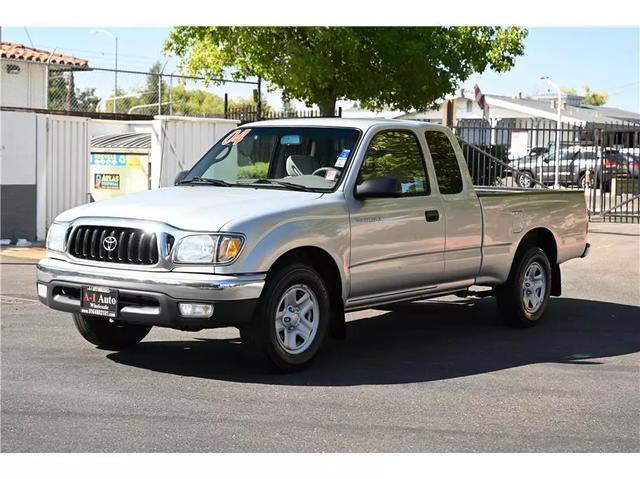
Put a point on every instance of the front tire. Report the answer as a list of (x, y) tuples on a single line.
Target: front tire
[(108, 334), (525, 180), (291, 319), (524, 298)]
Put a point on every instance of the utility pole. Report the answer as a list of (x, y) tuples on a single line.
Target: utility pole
[(556, 182)]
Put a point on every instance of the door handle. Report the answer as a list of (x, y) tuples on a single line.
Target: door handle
[(431, 215)]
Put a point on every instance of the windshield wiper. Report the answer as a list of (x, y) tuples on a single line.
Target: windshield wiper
[(199, 180), (286, 184)]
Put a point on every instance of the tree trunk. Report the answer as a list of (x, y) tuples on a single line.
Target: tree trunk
[(327, 108)]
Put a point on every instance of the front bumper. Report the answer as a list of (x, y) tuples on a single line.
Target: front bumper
[(152, 297)]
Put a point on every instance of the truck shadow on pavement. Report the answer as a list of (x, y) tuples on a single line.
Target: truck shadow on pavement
[(418, 342)]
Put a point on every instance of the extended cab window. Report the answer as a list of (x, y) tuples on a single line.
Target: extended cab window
[(396, 154), (445, 162)]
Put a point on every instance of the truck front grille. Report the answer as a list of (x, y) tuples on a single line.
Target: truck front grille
[(96, 243)]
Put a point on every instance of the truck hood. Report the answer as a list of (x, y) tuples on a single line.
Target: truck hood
[(194, 208)]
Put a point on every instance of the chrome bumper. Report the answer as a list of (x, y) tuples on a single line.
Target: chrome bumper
[(152, 297)]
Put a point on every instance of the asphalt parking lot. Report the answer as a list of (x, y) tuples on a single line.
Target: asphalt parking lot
[(434, 376)]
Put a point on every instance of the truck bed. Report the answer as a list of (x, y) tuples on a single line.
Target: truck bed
[(508, 213)]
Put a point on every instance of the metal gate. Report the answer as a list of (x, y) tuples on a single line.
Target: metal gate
[(614, 192), (603, 160)]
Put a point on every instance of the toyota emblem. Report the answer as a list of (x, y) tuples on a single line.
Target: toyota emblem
[(110, 243)]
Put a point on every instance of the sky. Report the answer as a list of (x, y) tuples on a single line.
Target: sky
[(607, 59)]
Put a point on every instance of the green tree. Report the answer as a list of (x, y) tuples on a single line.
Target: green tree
[(595, 98), (155, 87), (287, 108), (249, 103), (63, 94), (399, 67), (87, 99), (194, 102), (57, 90)]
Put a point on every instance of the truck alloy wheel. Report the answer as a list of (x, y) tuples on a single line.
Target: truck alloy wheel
[(534, 287), (297, 319), (291, 319), (523, 299)]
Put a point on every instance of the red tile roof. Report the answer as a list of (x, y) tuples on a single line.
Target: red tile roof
[(16, 51)]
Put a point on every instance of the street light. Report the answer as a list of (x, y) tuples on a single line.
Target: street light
[(115, 88), (556, 182)]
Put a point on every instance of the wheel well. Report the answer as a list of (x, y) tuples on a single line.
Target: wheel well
[(324, 264), (544, 239)]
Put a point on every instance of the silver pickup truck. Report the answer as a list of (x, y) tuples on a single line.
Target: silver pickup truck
[(283, 226)]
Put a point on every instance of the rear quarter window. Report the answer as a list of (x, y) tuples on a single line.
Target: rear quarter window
[(445, 162)]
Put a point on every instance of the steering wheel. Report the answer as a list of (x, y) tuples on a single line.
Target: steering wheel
[(324, 169)]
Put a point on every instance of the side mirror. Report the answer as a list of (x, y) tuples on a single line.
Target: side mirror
[(382, 187), (180, 176)]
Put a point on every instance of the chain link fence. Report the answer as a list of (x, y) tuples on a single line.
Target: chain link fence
[(146, 94)]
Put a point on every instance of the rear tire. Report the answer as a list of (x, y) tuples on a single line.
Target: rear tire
[(524, 298), (109, 335), (291, 320), (582, 181)]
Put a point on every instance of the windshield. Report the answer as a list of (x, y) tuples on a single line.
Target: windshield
[(285, 157)]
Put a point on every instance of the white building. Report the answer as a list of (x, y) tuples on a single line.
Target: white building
[(24, 74), (520, 111)]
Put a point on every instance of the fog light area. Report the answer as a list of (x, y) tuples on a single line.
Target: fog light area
[(196, 310), (42, 290)]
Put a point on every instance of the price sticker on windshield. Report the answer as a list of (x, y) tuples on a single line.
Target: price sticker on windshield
[(331, 175), (236, 137)]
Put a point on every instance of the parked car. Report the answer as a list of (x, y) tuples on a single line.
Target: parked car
[(532, 152), (335, 215), (573, 164), (612, 165), (632, 156)]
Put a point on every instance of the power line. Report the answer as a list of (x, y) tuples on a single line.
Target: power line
[(26, 30), (177, 76)]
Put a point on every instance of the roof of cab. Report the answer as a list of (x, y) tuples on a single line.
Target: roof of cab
[(361, 123)]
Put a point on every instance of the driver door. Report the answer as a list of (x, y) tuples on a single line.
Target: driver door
[(397, 244)]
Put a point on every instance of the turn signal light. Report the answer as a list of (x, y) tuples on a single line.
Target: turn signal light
[(228, 248)]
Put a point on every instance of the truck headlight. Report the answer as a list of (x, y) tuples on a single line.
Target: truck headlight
[(218, 249), (195, 249), (56, 237)]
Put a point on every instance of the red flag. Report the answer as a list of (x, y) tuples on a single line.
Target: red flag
[(479, 96)]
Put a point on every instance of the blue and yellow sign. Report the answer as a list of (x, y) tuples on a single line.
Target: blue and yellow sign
[(114, 159)]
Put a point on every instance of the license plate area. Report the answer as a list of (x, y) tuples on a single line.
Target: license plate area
[(99, 301)]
